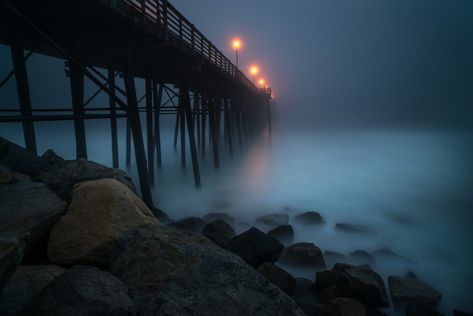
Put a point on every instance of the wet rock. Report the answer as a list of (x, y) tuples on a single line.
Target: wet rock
[(210, 217), (360, 283), (332, 257), (84, 291), (100, 211), (219, 231), (255, 247), (343, 306), (5, 175), (27, 211), (171, 272), (278, 276), (283, 233), (11, 255), (19, 159), (304, 296), (25, 284), (303, 254), (273, 220), (404, 290), (51, 157), (189, 224), (358, 257), (457, 312), (355, 229), (309, 218), (386, 253), (62, 176), (414, 309)]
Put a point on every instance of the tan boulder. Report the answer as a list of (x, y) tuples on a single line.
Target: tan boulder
[(100, 211)]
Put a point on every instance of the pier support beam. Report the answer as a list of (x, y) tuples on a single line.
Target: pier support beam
[(182, 125), (77, 92), (24, 97), (157, 96), (203, 117), (213, 131), (184, 95), (227, 126), (149, 128), (113, 119), (128, 143)]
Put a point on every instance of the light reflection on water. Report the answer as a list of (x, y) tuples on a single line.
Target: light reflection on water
[(412, 186)]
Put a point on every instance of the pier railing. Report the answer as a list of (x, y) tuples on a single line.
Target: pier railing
[(173, 23)]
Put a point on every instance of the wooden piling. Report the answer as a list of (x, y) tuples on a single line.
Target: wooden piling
[(157, 97), (182, 126), (204, 103), (149, 128), (184, 94), (113, 119), (128, 143), (77, 92), (227, 126)]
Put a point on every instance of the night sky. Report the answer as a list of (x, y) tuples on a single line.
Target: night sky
[(366, 61)]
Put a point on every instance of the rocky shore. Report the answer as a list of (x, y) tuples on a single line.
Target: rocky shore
[(75, 239)]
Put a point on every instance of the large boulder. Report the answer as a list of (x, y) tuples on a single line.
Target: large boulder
[(309, 218), (25, 284), (191, 224), (219, 231), (170, 272), (19, 159), (283, 233), (51, 157), (210, 217), (62, 176), (100, 211), (273, 220), (11, 255), (343, 306), (303, 254), (83, 291), (278, 276), (360, 283), (27, 212), (255, 247), (411, 289)]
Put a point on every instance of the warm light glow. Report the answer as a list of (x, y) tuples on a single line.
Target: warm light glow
[(254, 70), (262, 82), (236, 43)]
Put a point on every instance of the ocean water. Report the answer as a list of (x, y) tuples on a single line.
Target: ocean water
[(413, 187)]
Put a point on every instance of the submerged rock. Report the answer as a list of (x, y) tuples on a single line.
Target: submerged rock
[(25, 284), (309, 218), (360, 283), (404, 290), (273, 220), (62, 176), (170, 272), (332, 257), (355, 229), (190, 224), (278, 276), (100, 211), (84, 291), (386, 253), (27, 212), (303, 254), (283, 233), (358, 257), (210, 217), (255, 247), (343, 306), (219, 231)]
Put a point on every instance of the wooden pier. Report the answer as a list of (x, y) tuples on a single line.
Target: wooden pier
[(112, 42)]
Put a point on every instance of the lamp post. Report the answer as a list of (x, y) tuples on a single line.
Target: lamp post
[(236, 45)]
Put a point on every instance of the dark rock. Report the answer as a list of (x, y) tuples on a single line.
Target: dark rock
[(83, 290), (255, 247), (343, 306), (386, 253), (332, 257), (171, 272), (19, 159), (62, 176), (356, 229), (210, 217), (190, 224), (311, 218), (358, 257), (414, 309), (273, 220), (36, 209), (304, 296), (405, 290), (283, 233), (278, 276), (11, 255), (19, 177), (457, 312), (51, 157), (25, 284), (5, 175), (219, 231), (303, 254), (360, 283)]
